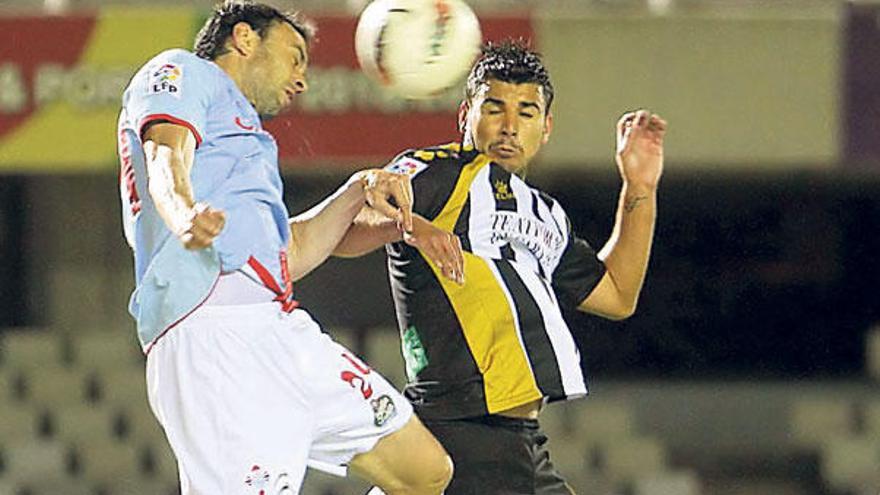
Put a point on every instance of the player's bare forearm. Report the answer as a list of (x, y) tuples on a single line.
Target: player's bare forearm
[(169, 150), (626, 254), (368, 232), (316, 232)]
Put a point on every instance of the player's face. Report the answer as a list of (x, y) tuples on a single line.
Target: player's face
[(507, 122), (279, 69)]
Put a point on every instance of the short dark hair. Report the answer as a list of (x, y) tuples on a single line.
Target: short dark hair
[(510, 61), (211, 41)]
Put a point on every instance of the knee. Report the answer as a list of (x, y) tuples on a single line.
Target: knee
[(440, 474), (429, 478)]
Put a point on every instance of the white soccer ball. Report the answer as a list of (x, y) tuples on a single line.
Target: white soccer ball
[(417, 48)]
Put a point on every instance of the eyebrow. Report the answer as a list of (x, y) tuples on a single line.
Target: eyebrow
[(522, 104)]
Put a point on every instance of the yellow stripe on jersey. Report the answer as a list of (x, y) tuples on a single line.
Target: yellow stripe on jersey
[(452, 209), (485, 315)]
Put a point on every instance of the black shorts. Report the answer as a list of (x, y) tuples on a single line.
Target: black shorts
[(496, 455)]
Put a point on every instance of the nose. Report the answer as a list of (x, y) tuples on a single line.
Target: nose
[(509, 125)]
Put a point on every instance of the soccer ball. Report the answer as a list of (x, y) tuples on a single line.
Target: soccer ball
[(417, 48)]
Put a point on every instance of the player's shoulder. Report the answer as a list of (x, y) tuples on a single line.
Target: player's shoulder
[(171, 65), (432, 160)]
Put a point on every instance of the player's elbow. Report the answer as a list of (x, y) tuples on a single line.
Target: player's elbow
[(621, 313), (615, 310)]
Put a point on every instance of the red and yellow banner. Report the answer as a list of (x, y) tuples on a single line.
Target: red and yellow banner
[(61, 80)]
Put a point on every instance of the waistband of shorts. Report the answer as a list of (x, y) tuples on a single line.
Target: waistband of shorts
[(237, 289), (239, 310)]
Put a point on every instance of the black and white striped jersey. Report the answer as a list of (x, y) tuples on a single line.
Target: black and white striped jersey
[(500, 340)]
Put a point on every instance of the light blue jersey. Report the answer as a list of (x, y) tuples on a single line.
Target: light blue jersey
[(235, 170)]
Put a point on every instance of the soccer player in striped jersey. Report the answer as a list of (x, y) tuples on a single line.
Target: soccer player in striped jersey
[(484, 339)]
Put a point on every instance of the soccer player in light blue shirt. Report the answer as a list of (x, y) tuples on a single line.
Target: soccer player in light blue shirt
[(247, 388)]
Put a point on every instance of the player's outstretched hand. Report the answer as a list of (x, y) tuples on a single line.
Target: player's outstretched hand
[(441, 247), (640, 147), (205, 225), (390, 194)]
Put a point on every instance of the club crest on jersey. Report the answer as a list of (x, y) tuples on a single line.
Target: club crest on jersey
[(383, 409), (166, 79), (407, 166), (502, 191)]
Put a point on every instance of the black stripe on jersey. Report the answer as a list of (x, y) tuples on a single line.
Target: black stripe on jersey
[(462, 224), (545, 367), (537, 212), (550, 202), (507, 252), (433, 186), (535, 209)]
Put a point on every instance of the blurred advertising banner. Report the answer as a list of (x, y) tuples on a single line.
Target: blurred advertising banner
[(61, 80)]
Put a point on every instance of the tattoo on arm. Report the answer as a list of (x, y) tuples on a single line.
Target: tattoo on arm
[(631, 204)]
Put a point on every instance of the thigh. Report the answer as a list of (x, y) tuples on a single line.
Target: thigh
[(410, 456), (234, 422), (489, 460)]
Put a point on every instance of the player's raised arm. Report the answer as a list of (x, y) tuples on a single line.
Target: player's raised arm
[(316, 233), (169, 150), (640, 162), (370, 231)]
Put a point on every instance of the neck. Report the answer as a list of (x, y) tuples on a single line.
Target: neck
[(232, 66)]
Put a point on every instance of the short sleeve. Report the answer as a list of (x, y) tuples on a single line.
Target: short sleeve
[(433, 177), (578, 272), (177, 87)]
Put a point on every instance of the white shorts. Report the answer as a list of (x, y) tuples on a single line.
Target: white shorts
[(249, 395)]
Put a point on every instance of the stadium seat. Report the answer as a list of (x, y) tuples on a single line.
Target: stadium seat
[(162, 462), (20, 422), (599, 422), (141, 425), (630, 458), (667, 483), (12, 385), (32, 349), (107, 351), (126, 388), (383, 354), (57, 386), (66, 486), (872, 419), (108, 464), (79, 423), (32, 461), (851, 464), (814, 421)]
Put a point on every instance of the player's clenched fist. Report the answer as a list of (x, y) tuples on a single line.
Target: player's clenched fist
[(205, 225), (390, 194)]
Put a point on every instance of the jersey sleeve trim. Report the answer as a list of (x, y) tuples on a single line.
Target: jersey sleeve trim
[(170, 118)]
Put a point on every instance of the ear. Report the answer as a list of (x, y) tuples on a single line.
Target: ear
[(244, 39), (463, 109), (548, 128)]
